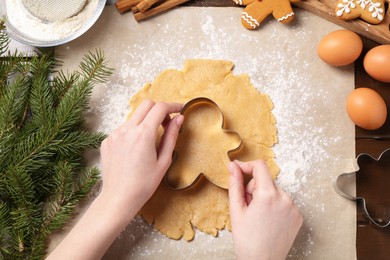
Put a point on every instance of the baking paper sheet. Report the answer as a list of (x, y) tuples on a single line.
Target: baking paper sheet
[(316, 138)]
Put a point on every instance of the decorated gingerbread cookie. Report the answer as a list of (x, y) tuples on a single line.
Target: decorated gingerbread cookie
[(371, 11), (257, 10)]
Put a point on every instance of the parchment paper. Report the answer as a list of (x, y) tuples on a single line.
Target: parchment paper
[(316, 138)]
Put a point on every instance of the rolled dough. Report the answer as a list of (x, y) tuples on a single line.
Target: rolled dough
[(246, 111)]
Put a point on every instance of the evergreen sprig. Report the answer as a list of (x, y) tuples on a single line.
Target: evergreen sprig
[(42, 174)]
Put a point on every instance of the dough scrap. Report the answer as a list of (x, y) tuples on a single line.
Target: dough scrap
[(175, 213)]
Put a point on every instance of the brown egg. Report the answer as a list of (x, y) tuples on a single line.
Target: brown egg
[(377, 63), (340, 48), (366, 108)]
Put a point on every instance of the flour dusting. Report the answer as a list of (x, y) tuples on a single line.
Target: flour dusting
[(315, 137)]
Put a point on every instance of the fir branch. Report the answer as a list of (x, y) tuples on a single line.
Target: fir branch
[(4, 39), (42, 174), (64, 187), (35, 150), (41, 93), (9, 66), (76, 142), (9, 62), (71, 107), (21, 191), (94, 67), (50, 56), (5, 222), (59, 209), (74, 101), (62, 83), (86, 181), (63, 204), (68, 194), (43, 189), (13, 102), (25, 212), (24, 116), (4, 216), (6, 145)]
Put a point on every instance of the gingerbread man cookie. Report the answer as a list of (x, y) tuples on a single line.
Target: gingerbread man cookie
[(257, 10), (371, 11)]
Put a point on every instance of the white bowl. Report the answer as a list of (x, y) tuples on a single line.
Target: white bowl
[(26, 35)]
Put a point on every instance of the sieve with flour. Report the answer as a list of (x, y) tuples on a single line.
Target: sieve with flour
[(50, 22), (53, 10)]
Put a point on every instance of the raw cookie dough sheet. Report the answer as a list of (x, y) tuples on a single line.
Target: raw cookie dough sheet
[(316, 138)]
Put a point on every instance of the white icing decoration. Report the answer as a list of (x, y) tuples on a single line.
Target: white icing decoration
[(285, 17), (250, 20), (373, 7), (345, 7)]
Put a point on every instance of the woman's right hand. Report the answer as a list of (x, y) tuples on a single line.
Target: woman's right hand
[(265, 221)]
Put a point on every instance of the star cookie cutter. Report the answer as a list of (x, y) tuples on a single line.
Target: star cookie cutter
[(201, 101), (343, 178)]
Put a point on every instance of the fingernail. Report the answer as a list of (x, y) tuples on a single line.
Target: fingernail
[(179, 120), (231, 167)]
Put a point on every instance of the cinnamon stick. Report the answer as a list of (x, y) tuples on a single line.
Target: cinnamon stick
[(124, 6), (165, 5), (146, 4), (135, 9)]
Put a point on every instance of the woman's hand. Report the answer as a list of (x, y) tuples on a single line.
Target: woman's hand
[(132, 168), (264, 219), (132, 165)]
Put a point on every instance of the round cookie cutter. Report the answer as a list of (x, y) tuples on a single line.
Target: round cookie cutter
[(339, 187), (196, 102)]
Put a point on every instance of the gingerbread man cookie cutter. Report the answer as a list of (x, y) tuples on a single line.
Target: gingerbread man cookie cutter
[(201, 101), (342, 179)]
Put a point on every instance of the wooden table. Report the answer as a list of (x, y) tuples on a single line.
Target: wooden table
[(372, 243)]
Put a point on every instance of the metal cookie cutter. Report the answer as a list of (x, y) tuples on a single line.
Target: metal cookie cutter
[(200, 101), (344, 178)]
